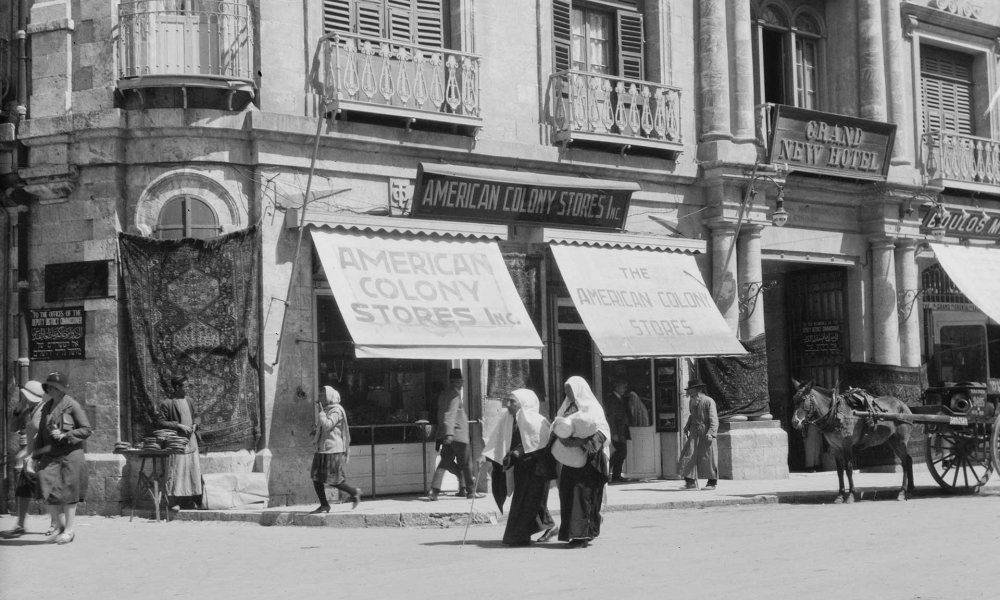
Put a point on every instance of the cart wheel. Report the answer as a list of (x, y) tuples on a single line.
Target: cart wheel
[(995, 443), (960, 459)]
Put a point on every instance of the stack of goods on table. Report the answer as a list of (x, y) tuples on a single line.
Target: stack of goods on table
[(165, 439), (122, 446)]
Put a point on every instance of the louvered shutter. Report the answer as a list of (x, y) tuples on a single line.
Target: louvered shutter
[(400, 20), (430, 23), (368, 18), (946, 90), (630, 45), (561, 33), (337, 16)]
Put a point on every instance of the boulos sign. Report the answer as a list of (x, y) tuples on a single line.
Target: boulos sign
[(960, 223), (520, 198)]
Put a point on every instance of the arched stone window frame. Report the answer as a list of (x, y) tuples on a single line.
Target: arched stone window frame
[(800, 26), (186, 182)]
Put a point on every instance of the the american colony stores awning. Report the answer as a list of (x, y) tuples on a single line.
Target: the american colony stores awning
[(426, 298), (976, 271), (642, 303)]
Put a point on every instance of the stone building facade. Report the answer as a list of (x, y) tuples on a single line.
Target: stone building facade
[(863, 123)]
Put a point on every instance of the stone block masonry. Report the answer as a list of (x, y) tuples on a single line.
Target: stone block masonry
[(753, 450)]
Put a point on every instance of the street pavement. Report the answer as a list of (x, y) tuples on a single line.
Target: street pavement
[(933, 547), (649, 494)]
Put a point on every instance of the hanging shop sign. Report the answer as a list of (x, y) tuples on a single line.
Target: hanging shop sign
[(57, 333), (829, 144), (960, 223), (497, 196)]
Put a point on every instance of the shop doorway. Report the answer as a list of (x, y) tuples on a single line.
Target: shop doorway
[(817, 344)]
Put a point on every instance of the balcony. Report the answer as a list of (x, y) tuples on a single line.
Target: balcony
[(957, 160), (202, 48), (401, 83), (600, 110)]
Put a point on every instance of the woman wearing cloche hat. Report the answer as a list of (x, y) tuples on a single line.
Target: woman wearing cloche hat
[(62, 466)]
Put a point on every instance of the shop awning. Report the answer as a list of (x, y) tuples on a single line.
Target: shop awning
[(426, 298), (642, 303), (976, 271)]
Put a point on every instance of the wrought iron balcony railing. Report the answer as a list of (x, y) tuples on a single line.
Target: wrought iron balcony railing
[(392, 78), (961, 158), (602, 108), (186, 39)]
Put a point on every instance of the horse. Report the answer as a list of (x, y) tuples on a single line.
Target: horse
[(845, 432)]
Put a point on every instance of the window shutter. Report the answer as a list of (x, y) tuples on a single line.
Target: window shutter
[(630, 45), (368, 18), (400, 20), (337, 16), (430, 23), (946, 90), (561, 33)]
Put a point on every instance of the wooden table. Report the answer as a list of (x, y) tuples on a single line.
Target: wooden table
[(153, 482)]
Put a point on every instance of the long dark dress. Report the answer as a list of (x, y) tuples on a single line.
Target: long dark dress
[(581, 491), (529, 513)]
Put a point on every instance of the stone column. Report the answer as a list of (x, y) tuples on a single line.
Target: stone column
[(909, 316), (741, 57), (751, 281), (713, 75), (871, 60), (885, 312), (724, 275), (899, 110), (51, 35)]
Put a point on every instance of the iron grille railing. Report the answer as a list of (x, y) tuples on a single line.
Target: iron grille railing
[(961, 157), (582, 102), (382, 72), (195, 38)]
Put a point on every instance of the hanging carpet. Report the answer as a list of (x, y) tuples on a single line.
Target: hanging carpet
[(191, 309)]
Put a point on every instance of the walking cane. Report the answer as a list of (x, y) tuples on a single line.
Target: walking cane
[(475, 492)]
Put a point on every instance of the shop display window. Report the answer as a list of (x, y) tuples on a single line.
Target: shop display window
[(384, 398)]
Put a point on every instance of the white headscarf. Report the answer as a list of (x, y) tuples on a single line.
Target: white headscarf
[(534, 428), (589, 407)]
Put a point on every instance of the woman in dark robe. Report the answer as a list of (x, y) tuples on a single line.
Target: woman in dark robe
[(581, 488), (516, 445)]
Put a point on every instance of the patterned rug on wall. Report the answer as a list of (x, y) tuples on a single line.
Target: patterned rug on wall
[(192, 310)]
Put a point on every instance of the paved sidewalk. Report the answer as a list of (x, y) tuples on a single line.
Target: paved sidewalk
[(651, 494)]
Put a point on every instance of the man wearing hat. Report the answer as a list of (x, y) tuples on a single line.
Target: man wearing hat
[(26, 419), (701, 429), (453, 436)]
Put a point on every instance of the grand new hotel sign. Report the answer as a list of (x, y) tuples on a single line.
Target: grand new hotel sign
[(516, 197), (829, 144)]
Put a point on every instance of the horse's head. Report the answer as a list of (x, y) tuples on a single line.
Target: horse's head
[(803, 403)]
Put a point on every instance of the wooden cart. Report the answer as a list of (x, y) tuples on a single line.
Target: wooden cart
[(963, 426)]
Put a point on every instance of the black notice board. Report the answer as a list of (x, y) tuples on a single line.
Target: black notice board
[(76, 281), (57, 333)]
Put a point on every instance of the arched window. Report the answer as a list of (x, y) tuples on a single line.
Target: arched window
[(788, 57), (187, 217)]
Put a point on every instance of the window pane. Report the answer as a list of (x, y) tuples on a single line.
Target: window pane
[(187, 216), (598, 30), (171, 223), (805, 61), (579, 40)]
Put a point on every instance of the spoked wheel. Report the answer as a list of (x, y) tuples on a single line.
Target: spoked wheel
[(960, 460), (995, 443)]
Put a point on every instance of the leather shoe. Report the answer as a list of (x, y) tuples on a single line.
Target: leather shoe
[(472, 495), (551, 531), (320, 509), (690, 484), (356, 498), (64, 538), (432, 495)]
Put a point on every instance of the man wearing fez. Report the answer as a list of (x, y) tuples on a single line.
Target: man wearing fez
[(701, 429)]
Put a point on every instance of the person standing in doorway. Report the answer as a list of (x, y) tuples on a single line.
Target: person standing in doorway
[(59, 448), (333, 447), (701, 429), (616, 409), (177, 413), (453, 437)]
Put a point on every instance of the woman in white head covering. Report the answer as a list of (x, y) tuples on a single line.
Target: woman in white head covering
[(516, 444), (333, 447), (581, 488)]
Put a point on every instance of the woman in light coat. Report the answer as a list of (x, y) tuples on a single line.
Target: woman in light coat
[(333, 446)]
